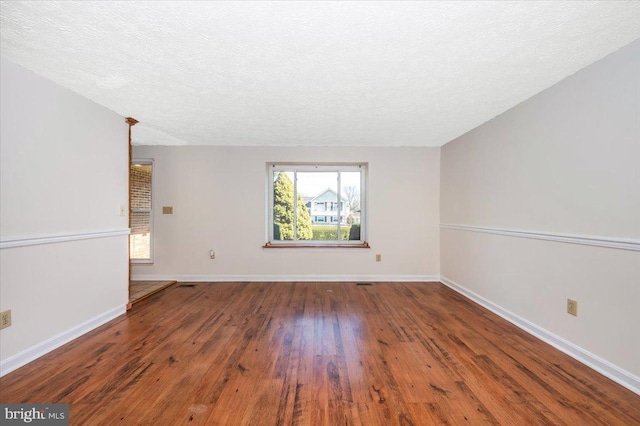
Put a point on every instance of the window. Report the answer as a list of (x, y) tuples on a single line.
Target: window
[(329, 207), (140, 240)]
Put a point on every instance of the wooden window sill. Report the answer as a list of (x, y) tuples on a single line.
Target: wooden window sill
[(364, 245)]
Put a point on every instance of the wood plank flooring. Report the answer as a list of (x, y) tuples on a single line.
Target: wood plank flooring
[(139, 290), (317, 354)]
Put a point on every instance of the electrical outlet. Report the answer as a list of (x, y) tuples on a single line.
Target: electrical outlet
[(378, 258), (122, 210), (572, 307), (5, 319), (212, 254)]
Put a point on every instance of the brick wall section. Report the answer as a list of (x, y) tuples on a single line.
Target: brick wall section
[(141, 187)]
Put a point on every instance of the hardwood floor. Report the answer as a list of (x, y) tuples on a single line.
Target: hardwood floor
[(139, 290), (317, 354)]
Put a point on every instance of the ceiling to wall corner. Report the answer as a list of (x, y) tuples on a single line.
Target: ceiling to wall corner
[(311, 73)]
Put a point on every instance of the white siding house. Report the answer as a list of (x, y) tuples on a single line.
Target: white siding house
[(323, 208)]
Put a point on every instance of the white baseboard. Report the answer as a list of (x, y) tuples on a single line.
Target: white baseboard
[(18, 360), (615, 373), (286, 278)]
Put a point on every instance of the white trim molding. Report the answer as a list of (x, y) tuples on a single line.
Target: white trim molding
[(589, 240), (288, 278), (615, 373), (60, 238), (22, 358)]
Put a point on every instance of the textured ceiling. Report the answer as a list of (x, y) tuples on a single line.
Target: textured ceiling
[(311, 73)]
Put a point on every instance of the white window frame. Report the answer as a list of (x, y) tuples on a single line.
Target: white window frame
[(273, 168), (147, 161)]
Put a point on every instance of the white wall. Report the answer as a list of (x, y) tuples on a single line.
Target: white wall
[(566, 161), (63, 173), (219, 195)]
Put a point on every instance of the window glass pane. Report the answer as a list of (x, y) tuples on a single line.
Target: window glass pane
[(321, 203), (320, 194), (352, 199), (140, 238), (283, 205)]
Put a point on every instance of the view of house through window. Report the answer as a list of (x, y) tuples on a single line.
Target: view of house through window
[(141, 211), (319, 203)]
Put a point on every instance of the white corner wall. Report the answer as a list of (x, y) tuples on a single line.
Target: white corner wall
[(219, 197), (565, 163), (63, 257)]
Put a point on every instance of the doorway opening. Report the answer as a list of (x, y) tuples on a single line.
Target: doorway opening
[(141, 224)]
